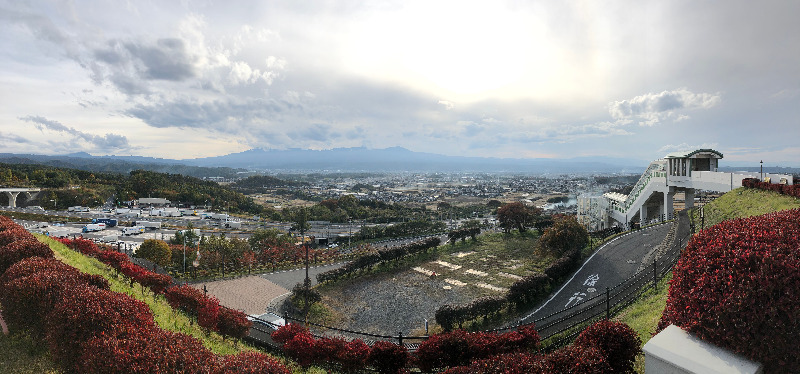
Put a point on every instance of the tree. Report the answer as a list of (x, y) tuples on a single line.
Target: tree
[(155, 250), (191, 238), (565, 235), (517, 215)]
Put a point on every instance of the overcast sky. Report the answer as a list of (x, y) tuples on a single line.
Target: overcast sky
[(187, 79)]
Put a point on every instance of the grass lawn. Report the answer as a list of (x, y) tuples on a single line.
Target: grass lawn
[(643, 315), (745, 202)]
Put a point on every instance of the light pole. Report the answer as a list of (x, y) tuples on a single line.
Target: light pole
[(762, 171), (184, 254)]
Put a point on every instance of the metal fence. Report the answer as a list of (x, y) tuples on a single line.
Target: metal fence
[(561, 327)]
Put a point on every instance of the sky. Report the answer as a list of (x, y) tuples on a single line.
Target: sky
[(506, 79)]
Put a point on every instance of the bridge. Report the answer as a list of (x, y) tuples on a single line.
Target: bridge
[(13, 193), (653, 195)]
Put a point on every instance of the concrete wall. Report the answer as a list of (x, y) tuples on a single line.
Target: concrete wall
[(675, 351)]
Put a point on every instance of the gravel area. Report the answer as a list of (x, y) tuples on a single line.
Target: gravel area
[(250, 294), (390, 303)]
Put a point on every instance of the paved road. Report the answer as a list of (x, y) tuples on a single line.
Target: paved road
[(289, 278), (610, 265)]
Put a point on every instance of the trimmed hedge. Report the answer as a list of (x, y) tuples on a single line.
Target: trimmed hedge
[(785, 189), (736, 285), (251, 363), (88, 312), (17, 250), (619, 343)]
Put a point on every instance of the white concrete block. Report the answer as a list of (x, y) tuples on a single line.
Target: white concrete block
[(676, 351)]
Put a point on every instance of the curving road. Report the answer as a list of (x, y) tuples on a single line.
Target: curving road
[(611, 264)]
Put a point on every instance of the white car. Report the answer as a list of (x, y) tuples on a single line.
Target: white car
[(269, 320)]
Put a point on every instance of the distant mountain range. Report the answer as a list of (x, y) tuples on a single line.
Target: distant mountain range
[(398, 159), (395, 159)]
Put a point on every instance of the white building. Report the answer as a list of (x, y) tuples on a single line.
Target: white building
[(652, 196)]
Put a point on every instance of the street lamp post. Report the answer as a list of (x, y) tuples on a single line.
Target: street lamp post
[(762, 170), (184, 254)]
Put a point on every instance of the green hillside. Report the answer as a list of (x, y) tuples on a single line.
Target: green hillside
[(745, 202)]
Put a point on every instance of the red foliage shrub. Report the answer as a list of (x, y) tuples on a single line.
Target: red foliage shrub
[(388, 357), (82, 245), (6, 223), (157, 283), (512, 363), (354, 355), (327, 349), (576, 360), (233, 323), (89, 312), (617, 341), (36, 287), (15, 251), (287, 332), (208, 313), (147, 351), (113, 258), (301, 348), (251, 363), (184, 298), (13, 234), (449, 349), (459, 348), (736, 284)]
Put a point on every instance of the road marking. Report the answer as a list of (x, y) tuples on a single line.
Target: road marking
[(455, 282), (511, 276), (447, 265), (476, 272), (491, 287), (423, 271)]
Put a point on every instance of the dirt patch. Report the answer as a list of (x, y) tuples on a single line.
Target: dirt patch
[(390, 303)]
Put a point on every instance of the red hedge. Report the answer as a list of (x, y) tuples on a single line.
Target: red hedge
[(15, 251), (617, 341), (388, 357), (287, 332), (185, 298), (233, 323), (31, 288), (89, 312), (149, 350), (736, 285), (13, 234), (512, 363), (577, 360), (251, 363), (301, 348), (354, 355)]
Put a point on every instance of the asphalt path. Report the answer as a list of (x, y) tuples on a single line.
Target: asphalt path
[(610, 264), (289, 278)]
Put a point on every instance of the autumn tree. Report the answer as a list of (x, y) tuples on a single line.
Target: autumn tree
[(155, 250), (565, 235), (517, 216)]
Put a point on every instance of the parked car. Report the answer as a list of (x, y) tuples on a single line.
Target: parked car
[(269, 320)]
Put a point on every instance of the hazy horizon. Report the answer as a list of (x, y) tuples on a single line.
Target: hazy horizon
[(549, 79)]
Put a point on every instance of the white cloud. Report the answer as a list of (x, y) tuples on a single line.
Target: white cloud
[(652, 108), (686, 147), (447, 104)]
